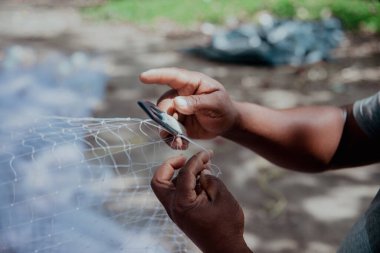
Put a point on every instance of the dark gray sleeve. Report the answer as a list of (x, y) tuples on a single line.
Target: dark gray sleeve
[(367, 115)]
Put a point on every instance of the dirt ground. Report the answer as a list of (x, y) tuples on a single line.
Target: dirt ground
[(285, 211)]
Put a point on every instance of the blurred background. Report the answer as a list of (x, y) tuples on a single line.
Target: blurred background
[(285, 211)]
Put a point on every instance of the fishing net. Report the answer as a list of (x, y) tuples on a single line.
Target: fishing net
[(69, 183), (83, 185)]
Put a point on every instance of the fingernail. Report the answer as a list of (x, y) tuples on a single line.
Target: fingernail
[(181, 102), (206, 172)]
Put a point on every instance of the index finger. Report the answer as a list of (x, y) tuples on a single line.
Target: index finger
[(184, 81), (161, 182), (187, 177)]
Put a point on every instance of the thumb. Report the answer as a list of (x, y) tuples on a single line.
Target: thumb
[(210, 184), (188, 105)]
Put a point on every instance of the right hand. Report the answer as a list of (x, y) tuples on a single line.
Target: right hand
[(199, 102), (200, 204)]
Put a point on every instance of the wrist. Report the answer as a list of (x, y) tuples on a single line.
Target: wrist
[(237, 124)]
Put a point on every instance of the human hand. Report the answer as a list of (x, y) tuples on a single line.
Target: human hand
[(199, 102), (200, 204)]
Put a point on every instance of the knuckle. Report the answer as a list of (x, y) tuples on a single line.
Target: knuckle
[(221, 100), (199, 77), (181, 208), (221, 96), (195, 101), (197, 74), (194, 159), (205, 79), (178, 208), (202, 79), (209, 80), (154, 184)]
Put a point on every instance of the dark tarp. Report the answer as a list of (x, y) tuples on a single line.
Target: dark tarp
[(274, 42)]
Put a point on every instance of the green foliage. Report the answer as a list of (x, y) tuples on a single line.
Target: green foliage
[(184, 12), (358, 13), (353, 13), (283, 8)]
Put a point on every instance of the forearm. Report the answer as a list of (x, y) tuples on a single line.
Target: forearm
[(303, 139)]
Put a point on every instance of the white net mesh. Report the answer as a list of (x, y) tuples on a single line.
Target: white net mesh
[(83, 185), (75, 184)]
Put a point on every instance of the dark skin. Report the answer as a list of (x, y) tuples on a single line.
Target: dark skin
[(307, 139), (203, 208)]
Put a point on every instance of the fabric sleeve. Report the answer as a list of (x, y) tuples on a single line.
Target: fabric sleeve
[(367, 115)]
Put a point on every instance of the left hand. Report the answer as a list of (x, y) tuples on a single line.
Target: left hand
[(200, 204), (196, 100)]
